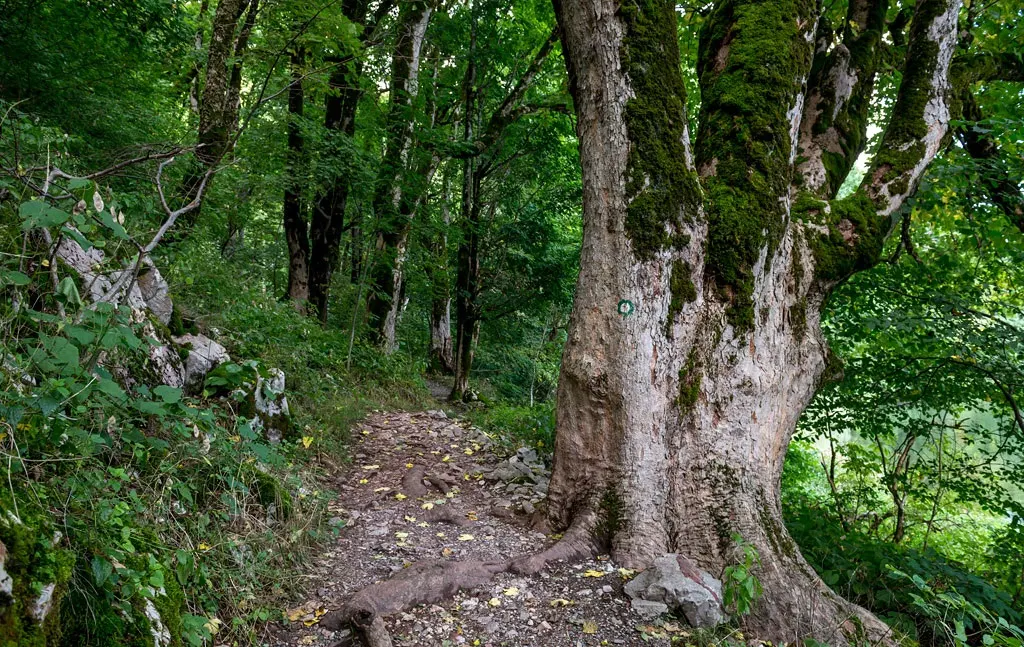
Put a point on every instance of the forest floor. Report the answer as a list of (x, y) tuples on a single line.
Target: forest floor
[(475, 509)]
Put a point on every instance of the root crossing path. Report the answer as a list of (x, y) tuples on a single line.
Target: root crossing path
[(435, 521)]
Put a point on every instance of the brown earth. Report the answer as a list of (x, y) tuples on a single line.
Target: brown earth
[(453, 506)]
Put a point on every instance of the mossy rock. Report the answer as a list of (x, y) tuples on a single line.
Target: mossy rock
[(39, 571), (270, 492), (106, 624)]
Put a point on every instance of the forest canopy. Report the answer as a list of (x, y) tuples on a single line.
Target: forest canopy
[(744, 277)]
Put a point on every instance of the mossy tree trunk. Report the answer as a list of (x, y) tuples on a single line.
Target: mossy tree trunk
[(296, 230), (694, 343), (233, 22), (395, 201)]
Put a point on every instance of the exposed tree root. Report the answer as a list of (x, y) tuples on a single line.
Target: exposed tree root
[(412, 482), (431, 581), (444, 515), (438, 483), (372, 629), (576, 543)]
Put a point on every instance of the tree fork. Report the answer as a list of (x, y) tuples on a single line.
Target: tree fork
[(675, 410)]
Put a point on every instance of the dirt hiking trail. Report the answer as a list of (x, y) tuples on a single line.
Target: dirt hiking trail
[(426, 489)]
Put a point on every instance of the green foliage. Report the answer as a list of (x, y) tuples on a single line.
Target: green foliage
[(175, 515), (518, 426), (740, 587), (956, 619)]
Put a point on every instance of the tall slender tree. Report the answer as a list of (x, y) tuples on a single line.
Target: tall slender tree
[(394, 203)]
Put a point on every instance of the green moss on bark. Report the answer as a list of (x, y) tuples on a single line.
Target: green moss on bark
[(903, 148), (753, 59), (682, 288), (854, 238), (610, 515), (660, 189), (689, 384)]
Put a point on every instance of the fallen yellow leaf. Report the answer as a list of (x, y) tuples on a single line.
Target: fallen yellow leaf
[(446, 458), (364, 482), (562, 602), (307, 441), (204, 547), (467, 452), (466, 537), (400, 496), (427, 506), (410, 465), (410, 519), (593, 573), (511, 591), (494, 602), (401, 535), (589, 627), (371, 467)]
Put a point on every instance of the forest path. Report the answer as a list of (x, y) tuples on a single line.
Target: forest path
[(476, 507)]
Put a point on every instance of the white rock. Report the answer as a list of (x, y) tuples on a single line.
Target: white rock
[(161, 635), (6, 581), (204, 355), (43, 604)]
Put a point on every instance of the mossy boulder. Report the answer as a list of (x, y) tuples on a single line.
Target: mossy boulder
[(153, 617), (34, 573)]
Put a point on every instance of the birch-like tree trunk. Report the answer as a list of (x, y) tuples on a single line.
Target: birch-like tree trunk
[(393, 205), (694, 343), (440, 355)]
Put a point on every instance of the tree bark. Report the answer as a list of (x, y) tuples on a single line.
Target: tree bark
[(440, 356), (694, 342), (328, 219), (220, 100), (392, 204), (468, 271), (295, 228)]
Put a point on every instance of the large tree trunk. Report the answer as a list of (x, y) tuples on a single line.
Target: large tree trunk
[(220, 100), (295, 228), (694, 343), (393, 207)]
